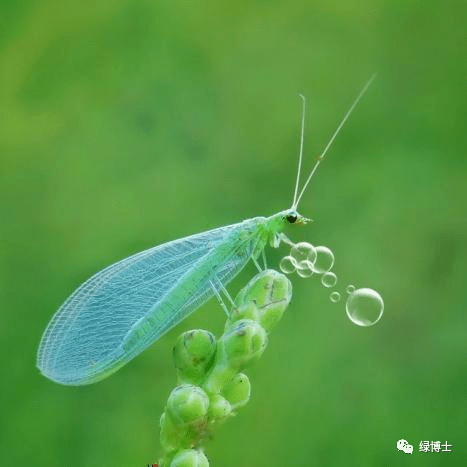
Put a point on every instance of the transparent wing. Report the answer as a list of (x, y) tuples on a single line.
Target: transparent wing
[(83, 341)]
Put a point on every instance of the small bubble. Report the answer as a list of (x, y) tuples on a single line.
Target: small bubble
[(350, 288), (324, 259), (312, 255), (364, 307), (303, 251), (334, 297), (305, 264), (305, 269), (288, 264), (329, 279)]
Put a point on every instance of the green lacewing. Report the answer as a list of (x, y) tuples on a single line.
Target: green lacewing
[(123, 309)]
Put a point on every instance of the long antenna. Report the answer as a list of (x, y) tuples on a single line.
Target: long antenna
[(301, 150), (333, 137)]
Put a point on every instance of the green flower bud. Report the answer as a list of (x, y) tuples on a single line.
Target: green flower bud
[(244, 342), (248, 310), (258, 290), (190, 458), (219, 407), (281, 287), (271, 314), (241, 344), (238, 391), (172, 436), (264, 299), (192, 353), (187, 403)]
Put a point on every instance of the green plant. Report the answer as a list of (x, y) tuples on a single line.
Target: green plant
[(210, 384)]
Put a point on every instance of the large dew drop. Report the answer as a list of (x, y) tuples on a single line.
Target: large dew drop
[(364, 307)]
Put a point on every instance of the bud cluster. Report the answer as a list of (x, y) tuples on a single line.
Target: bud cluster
[(210, 384)]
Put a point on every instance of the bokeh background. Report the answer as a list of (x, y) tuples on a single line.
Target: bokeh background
[(128, 123)]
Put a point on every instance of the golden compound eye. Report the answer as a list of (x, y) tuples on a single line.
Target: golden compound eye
[(292, 218)]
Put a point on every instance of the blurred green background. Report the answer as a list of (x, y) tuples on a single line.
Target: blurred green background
[(129, 123)]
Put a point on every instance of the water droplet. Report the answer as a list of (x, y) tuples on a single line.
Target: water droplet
[(312, 255), (305, 269), (335, 297), (329, 279), (324, 259), (364, 307), (288, 264), (303, 251), (350, 288)]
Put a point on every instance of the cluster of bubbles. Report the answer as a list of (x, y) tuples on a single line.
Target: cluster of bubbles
[(364, 307)]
